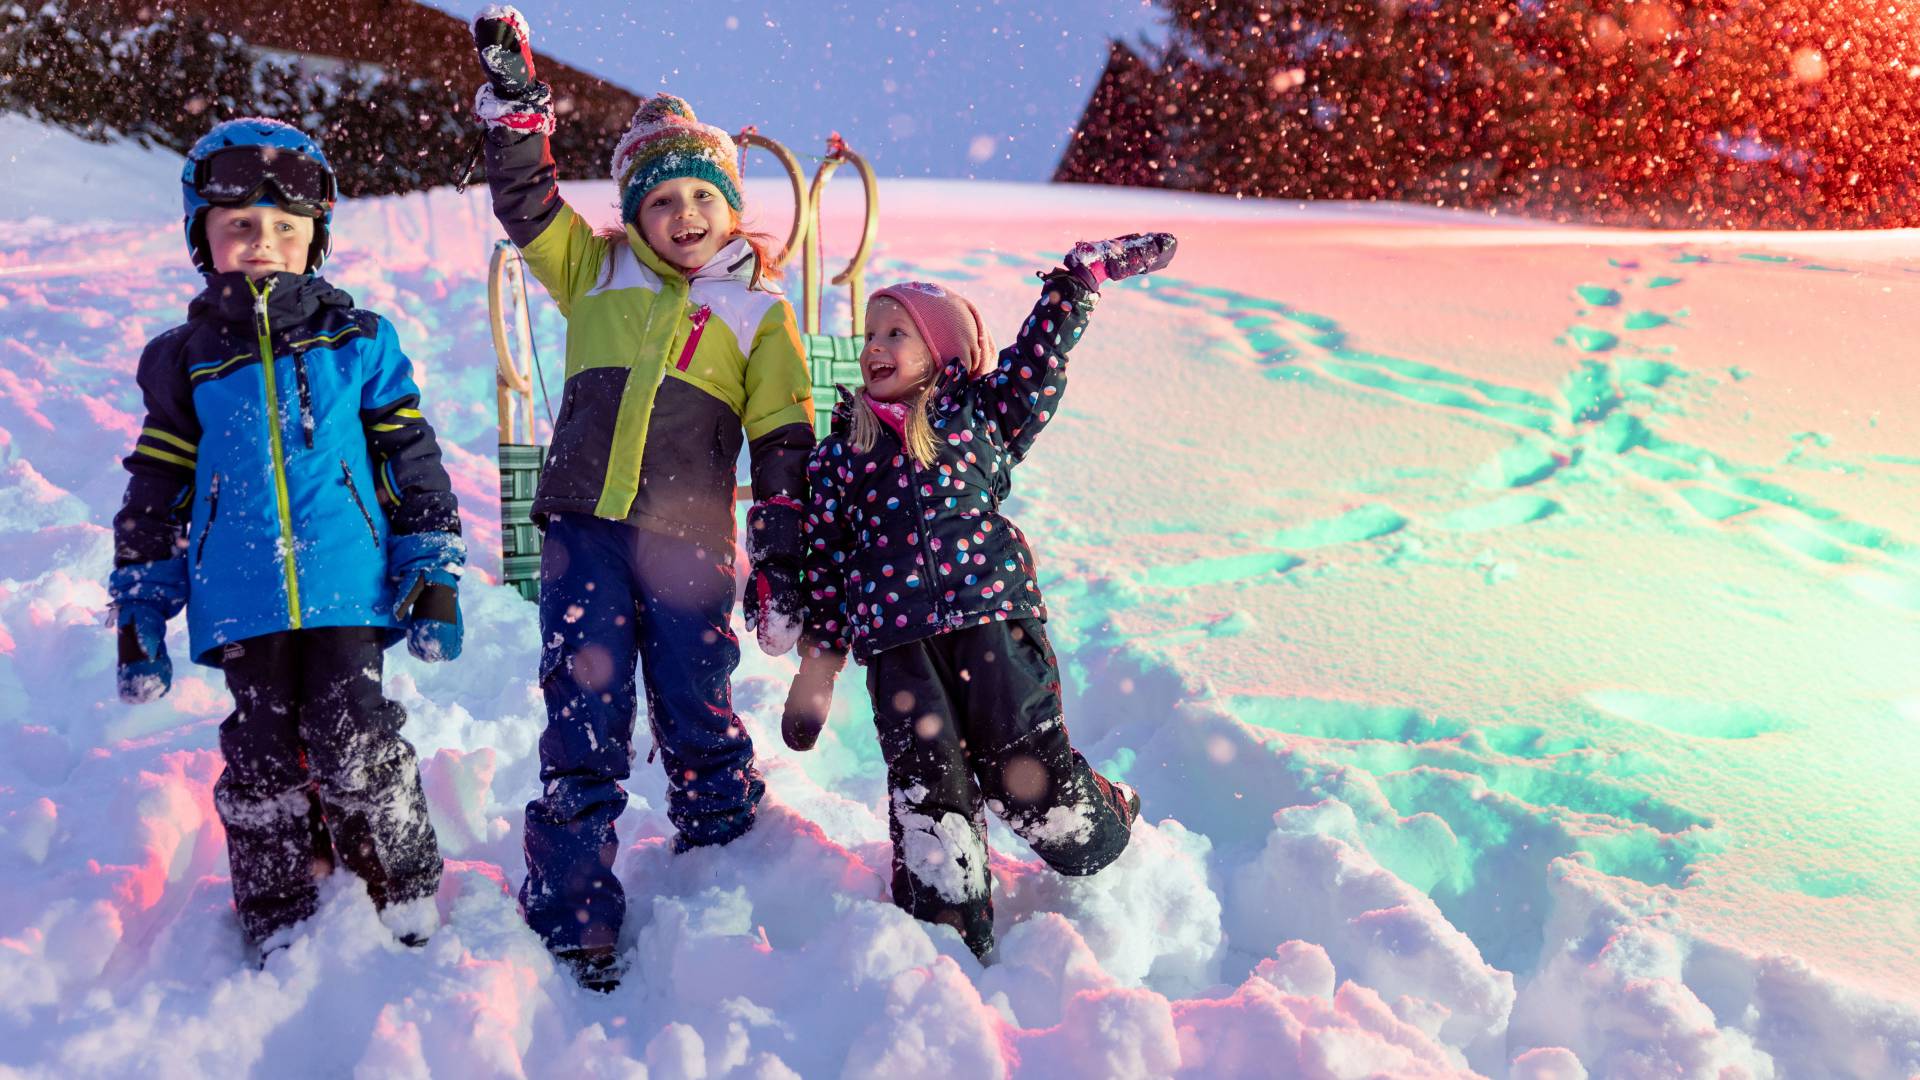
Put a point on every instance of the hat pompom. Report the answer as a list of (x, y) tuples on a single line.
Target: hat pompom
[(659, 107)]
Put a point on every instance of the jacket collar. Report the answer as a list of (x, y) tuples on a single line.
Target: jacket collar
[(290, 298), (735, 261)]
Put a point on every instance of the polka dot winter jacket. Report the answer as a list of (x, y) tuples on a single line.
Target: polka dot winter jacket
[(895, 551)]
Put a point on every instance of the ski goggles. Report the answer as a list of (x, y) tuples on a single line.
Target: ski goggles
[(242, 175)]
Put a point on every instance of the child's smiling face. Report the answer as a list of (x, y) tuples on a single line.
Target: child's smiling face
[(258, 240), (896, 362), (686, 221)]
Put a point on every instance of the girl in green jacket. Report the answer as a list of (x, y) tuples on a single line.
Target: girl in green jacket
[(678, 349)]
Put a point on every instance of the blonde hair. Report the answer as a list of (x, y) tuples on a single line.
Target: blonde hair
[(919, 440)]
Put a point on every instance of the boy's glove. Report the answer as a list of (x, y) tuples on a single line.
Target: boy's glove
[(430, 608), (506, 50), (1099, 261), (811, 696), (144, 674), (773, 600)]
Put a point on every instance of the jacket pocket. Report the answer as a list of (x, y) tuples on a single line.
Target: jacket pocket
[(306, 396), (213, 511), (346, 475)]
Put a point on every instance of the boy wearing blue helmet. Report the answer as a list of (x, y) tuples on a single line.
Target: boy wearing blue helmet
[(288, 494)]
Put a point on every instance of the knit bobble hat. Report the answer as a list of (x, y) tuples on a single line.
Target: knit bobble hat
[(947, 322), (666, 141)]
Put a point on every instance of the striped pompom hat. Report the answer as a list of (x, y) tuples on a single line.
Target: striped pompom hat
[(666, 141)]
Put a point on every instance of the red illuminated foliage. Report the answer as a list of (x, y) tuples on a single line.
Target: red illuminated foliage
[(1788, 114)]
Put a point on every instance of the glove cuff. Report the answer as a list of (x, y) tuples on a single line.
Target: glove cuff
[(423, 552), (531, 113), (161, 586), (428, 594)]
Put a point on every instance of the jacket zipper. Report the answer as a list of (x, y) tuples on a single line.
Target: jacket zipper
[(213, 511), (306, 396), (282, 503), (346, 474), (921, 524), (699, 326)]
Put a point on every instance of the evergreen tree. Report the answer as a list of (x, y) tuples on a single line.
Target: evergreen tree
[(1663, 112), (165, 82)]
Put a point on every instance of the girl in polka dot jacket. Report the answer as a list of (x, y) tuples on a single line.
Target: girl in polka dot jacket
[(911, 568)]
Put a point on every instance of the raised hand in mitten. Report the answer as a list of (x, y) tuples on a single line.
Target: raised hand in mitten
[(144, 671), (506, 50), (1096, 262), (811, 697)]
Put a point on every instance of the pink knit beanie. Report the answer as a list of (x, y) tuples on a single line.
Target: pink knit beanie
[(947, 322)]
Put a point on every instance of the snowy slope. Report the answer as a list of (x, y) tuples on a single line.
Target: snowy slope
[(1512, 631)]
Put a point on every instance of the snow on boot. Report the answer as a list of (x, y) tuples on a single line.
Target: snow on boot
[(412, 923)]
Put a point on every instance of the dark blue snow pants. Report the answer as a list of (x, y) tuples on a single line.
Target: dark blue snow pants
[(611, 594)]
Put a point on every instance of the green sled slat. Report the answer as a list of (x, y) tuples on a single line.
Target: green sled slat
[(832, 360), (520, 466)]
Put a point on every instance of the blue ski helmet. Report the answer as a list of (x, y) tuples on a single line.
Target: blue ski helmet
[(257, 162)]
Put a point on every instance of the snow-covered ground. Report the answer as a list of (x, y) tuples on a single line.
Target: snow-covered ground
[(1514, 632)]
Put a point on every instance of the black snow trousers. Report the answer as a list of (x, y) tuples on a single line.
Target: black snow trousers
[(970, 720), (315, 766)]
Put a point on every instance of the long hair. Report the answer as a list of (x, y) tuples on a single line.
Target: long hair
[(769, 258), (919, 440)]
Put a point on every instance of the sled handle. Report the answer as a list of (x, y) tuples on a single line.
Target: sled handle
[(749, 137), (855, 275), (507, 297)]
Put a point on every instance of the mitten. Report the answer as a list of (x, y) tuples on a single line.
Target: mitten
[(1099, 261), (429, 607), (506, 51), (811, 697), (144, 672), (773, 600)]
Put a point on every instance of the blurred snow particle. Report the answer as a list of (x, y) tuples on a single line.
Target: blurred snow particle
[(1808, 65), (1025, 779), (981, 148), (1220, 749)]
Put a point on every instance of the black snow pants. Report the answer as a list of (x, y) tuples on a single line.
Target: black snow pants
[(970, 720), (315, 766)]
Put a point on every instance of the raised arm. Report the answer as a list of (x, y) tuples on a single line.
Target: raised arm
[(518, 113), (1023, 392)]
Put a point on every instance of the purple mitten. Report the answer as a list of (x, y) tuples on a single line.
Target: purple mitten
[(1099, 261)]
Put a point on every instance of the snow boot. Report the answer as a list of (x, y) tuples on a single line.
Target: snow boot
[(1125, 800), (594, 967)]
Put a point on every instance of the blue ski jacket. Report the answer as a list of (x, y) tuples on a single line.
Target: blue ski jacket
[(284, 477)]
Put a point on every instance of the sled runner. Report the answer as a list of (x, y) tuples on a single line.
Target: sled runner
[(521, 451), (833, 359)]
